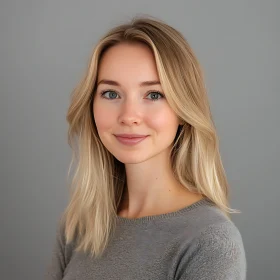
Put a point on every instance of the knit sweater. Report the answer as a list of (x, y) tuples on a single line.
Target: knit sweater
[(197, 242)]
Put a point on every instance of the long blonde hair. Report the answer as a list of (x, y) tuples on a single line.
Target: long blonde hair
[(99, 178)]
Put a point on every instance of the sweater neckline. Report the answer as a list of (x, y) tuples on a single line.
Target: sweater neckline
[(203, 201)]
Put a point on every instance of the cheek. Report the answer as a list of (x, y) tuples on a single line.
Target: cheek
[(103, 118), (164, 121)]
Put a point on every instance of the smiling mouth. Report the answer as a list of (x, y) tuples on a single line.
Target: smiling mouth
[(130, 140)]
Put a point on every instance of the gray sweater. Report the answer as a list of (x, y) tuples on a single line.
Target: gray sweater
[(194, 243)]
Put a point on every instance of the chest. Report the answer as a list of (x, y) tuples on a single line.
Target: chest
[(124, 263)]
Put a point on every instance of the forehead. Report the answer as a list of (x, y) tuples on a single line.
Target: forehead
[(128, 62)]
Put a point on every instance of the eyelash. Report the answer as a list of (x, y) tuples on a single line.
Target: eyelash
[(152, 91)]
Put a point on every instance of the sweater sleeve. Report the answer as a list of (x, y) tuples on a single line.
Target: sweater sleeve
[(57, 264), (217, 254)]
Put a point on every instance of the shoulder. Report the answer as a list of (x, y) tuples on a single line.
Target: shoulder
[(199, 217), (207, 224), (221, 241), (215, 251)]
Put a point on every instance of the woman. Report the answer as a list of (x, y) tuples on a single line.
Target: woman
[(150, 195)]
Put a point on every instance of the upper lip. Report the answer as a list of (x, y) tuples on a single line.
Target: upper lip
[(130, 135)]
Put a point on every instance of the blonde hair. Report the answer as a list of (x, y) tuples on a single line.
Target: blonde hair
[(99, 179)]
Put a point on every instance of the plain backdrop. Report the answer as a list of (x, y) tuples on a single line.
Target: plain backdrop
[(44, 50)]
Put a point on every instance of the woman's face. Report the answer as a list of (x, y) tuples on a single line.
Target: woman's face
[(129, 100)]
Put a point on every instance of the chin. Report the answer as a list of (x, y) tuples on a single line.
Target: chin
[(131, 159)]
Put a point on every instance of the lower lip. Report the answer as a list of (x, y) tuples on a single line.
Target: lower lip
[(130, 141)]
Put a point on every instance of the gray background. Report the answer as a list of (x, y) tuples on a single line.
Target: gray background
[(44, 49)]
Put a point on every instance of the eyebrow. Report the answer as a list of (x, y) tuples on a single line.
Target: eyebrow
[(114, 83)]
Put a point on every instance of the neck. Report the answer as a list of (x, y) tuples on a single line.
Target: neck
[(152, 189)]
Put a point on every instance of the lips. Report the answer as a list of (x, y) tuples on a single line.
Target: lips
[(130, 135), (130, 139)]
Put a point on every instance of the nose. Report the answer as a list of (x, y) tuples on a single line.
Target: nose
[(130, 113)]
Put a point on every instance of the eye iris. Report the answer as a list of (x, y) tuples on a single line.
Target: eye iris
[(112, 94), (154, 95)]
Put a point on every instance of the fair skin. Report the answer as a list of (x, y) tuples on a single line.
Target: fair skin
[(132, 107)]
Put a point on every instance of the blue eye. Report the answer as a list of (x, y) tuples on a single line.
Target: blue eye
[(109, 94), (155, 95)]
